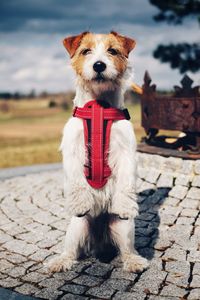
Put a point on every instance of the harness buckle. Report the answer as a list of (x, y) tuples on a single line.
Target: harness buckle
[(126, 114), (74, 111)]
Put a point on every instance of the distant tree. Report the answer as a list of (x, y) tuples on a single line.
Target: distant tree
[(182, 56), (32, 94)]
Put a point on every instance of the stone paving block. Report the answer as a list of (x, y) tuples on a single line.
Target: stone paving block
[(170, 210), (73, 297), (83, 265), (48, 293), (99, 269), (174, 253), (44, 217), (3, 276), (167, 219), (4, 237), (89, 281), (197, 166), (183, 179), (40, 255), (141, 172), (34, 277), (14, 257), (148, 283), (141, 242), (195, 281), (170, 201), (162, 244), (146, 188), (16, 272), (52, 282), (100, 292), (197, 221), (30, 237), (187, 167), (197, 231), (188, 212), (194, 193), (172, 164), (163, 298), (129, 296), (179, 268), (185, 220), (194, 294), (119, 273), (58, 247), (10, 282), (172, 291), (194, 256), (189, 203), (196, 181), (60, 225), (4, 265), (196, 268), (177, 280), (178, 191), (116, 284), (152, 176), (74, 289), (187, 244), (21, 247), (66, 276), (27, 289), (47, 242), (165, 180), (12, 228)]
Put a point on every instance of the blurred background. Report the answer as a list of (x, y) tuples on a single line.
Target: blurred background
[(37, 82)]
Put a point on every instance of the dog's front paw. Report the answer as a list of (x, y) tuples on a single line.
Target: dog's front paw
[(134, 263), (80, 203), (60, 263)]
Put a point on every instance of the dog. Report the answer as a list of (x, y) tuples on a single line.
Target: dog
[(103, 73)]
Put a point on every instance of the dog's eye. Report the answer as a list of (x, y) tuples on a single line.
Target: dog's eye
[(86, 51), (112, 51)]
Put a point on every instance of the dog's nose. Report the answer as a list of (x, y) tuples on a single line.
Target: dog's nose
[(99, 66)]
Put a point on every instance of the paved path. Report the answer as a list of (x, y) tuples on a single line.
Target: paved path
[(32, 227)]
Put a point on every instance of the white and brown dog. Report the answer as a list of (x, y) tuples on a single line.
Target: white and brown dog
[(101, 65)]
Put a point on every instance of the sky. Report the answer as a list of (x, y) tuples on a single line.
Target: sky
[(31, 32)]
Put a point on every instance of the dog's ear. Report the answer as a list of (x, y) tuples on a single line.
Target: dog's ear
[(72, 43), (128, 43)]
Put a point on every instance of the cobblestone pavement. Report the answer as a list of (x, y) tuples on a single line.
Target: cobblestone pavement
[(32, 227)]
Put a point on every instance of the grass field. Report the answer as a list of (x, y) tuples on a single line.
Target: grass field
[(30, 131)]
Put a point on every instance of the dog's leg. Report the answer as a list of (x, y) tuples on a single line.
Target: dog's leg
[(122, 233), (76, 235)]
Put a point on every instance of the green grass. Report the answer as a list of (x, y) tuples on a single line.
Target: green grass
[(30, 132)]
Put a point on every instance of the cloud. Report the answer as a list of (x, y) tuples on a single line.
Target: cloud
[(31, 33), (50, 16)]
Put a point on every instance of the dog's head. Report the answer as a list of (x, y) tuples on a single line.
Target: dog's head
[(100, 60)]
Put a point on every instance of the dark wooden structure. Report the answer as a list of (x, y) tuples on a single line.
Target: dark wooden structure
[(177, 112)]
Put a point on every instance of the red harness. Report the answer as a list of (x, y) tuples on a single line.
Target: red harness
[(97, 122)]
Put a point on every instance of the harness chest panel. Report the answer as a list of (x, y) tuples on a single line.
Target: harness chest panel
[(97, 122)]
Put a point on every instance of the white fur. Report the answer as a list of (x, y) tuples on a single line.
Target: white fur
[(118, 195)]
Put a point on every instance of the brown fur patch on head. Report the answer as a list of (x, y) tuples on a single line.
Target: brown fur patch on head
[(87, 42), (120, 58), (127, 43), (72, 43)]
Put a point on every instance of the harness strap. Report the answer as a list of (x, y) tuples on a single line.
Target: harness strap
[(97, 122)]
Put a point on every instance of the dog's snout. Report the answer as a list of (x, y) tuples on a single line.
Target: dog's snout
[(99, 66)]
